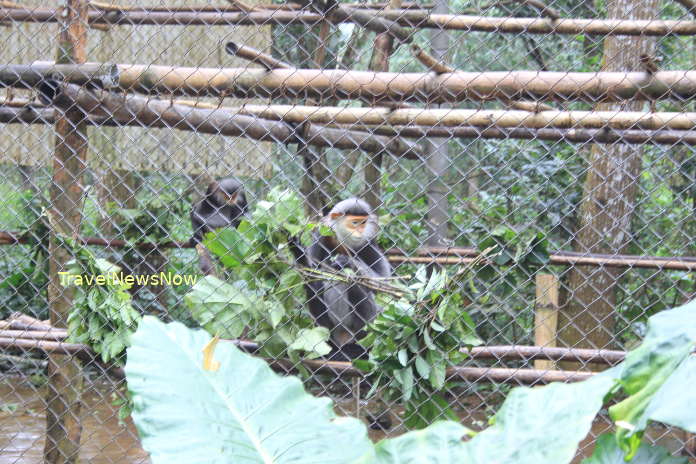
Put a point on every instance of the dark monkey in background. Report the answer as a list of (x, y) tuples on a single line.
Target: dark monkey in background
[(344, 308), (224, 205)]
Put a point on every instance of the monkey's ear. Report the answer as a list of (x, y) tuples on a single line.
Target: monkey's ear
[(334, 216), (213, 188)]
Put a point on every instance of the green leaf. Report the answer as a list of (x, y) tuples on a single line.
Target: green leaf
[(674, 403), (220, 307), (607, 451), (243, 412), (422, 367), (442, 442), (534, 433), (669, 340), (230, 245), (407, 383), (402, 355), (438, 375), (312, 342)]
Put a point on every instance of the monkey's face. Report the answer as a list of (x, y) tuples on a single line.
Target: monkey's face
[(224, 198), (353, 231)]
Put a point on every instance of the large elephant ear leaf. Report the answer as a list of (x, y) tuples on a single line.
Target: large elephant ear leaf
[(233, 408), (607, 451)]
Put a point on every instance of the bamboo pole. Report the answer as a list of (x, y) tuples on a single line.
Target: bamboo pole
[(255, 56), (39, 115), (337, 368), (455, 118), (404, 18), (32, 75), (582, 136), (546, 316), (51, 335), (161, 113), (65, 374), (419, 87), (529, 353), (562, 260), (511, 352), (441, 255), (475, 117)]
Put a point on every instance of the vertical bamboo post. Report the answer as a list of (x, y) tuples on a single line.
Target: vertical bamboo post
[(63, 397), (546, 316)]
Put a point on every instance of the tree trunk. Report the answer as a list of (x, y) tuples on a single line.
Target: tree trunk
[(64, 392), (608, 201), (436, 150)]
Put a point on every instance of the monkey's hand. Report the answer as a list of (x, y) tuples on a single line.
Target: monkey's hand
[(342, 262)]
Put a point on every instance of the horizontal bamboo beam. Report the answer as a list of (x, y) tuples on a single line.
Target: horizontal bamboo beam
[(38, 115), (366, 85), (417, 87), (404, 18), (601, 136), (146, 112), (472, 374), (338, 368), (638, 262), (268, 6), (33, 75), (454, 255), (531, 353), (474, 117), (51, 335), (34, 115)]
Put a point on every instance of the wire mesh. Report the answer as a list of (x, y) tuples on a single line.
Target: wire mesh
[(463, 124)]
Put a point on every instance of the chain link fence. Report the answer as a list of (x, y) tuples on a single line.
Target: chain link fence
[(560, 148)]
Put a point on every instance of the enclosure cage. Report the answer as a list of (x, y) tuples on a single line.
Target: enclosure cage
[(530, 166)]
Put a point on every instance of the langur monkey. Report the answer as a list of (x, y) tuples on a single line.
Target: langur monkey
[(224, 205), (343, 308)]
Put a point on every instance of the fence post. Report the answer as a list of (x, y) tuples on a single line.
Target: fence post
[(546, 316), (64, 392)]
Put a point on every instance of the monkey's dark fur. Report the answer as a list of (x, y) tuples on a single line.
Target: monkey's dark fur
[(344, 309), (224, 205)]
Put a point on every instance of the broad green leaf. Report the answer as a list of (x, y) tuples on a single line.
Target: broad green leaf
[(670, 338), (312, 342), (542, 425), (422, 367), (230, 245), (441, 442), (243, 412), (402, 355), (220, 307), (607, 451), (674, 403)]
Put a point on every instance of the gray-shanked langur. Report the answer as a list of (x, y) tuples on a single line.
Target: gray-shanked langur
[(224, 205)]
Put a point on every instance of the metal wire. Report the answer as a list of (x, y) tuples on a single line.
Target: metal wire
[(560, 127)]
